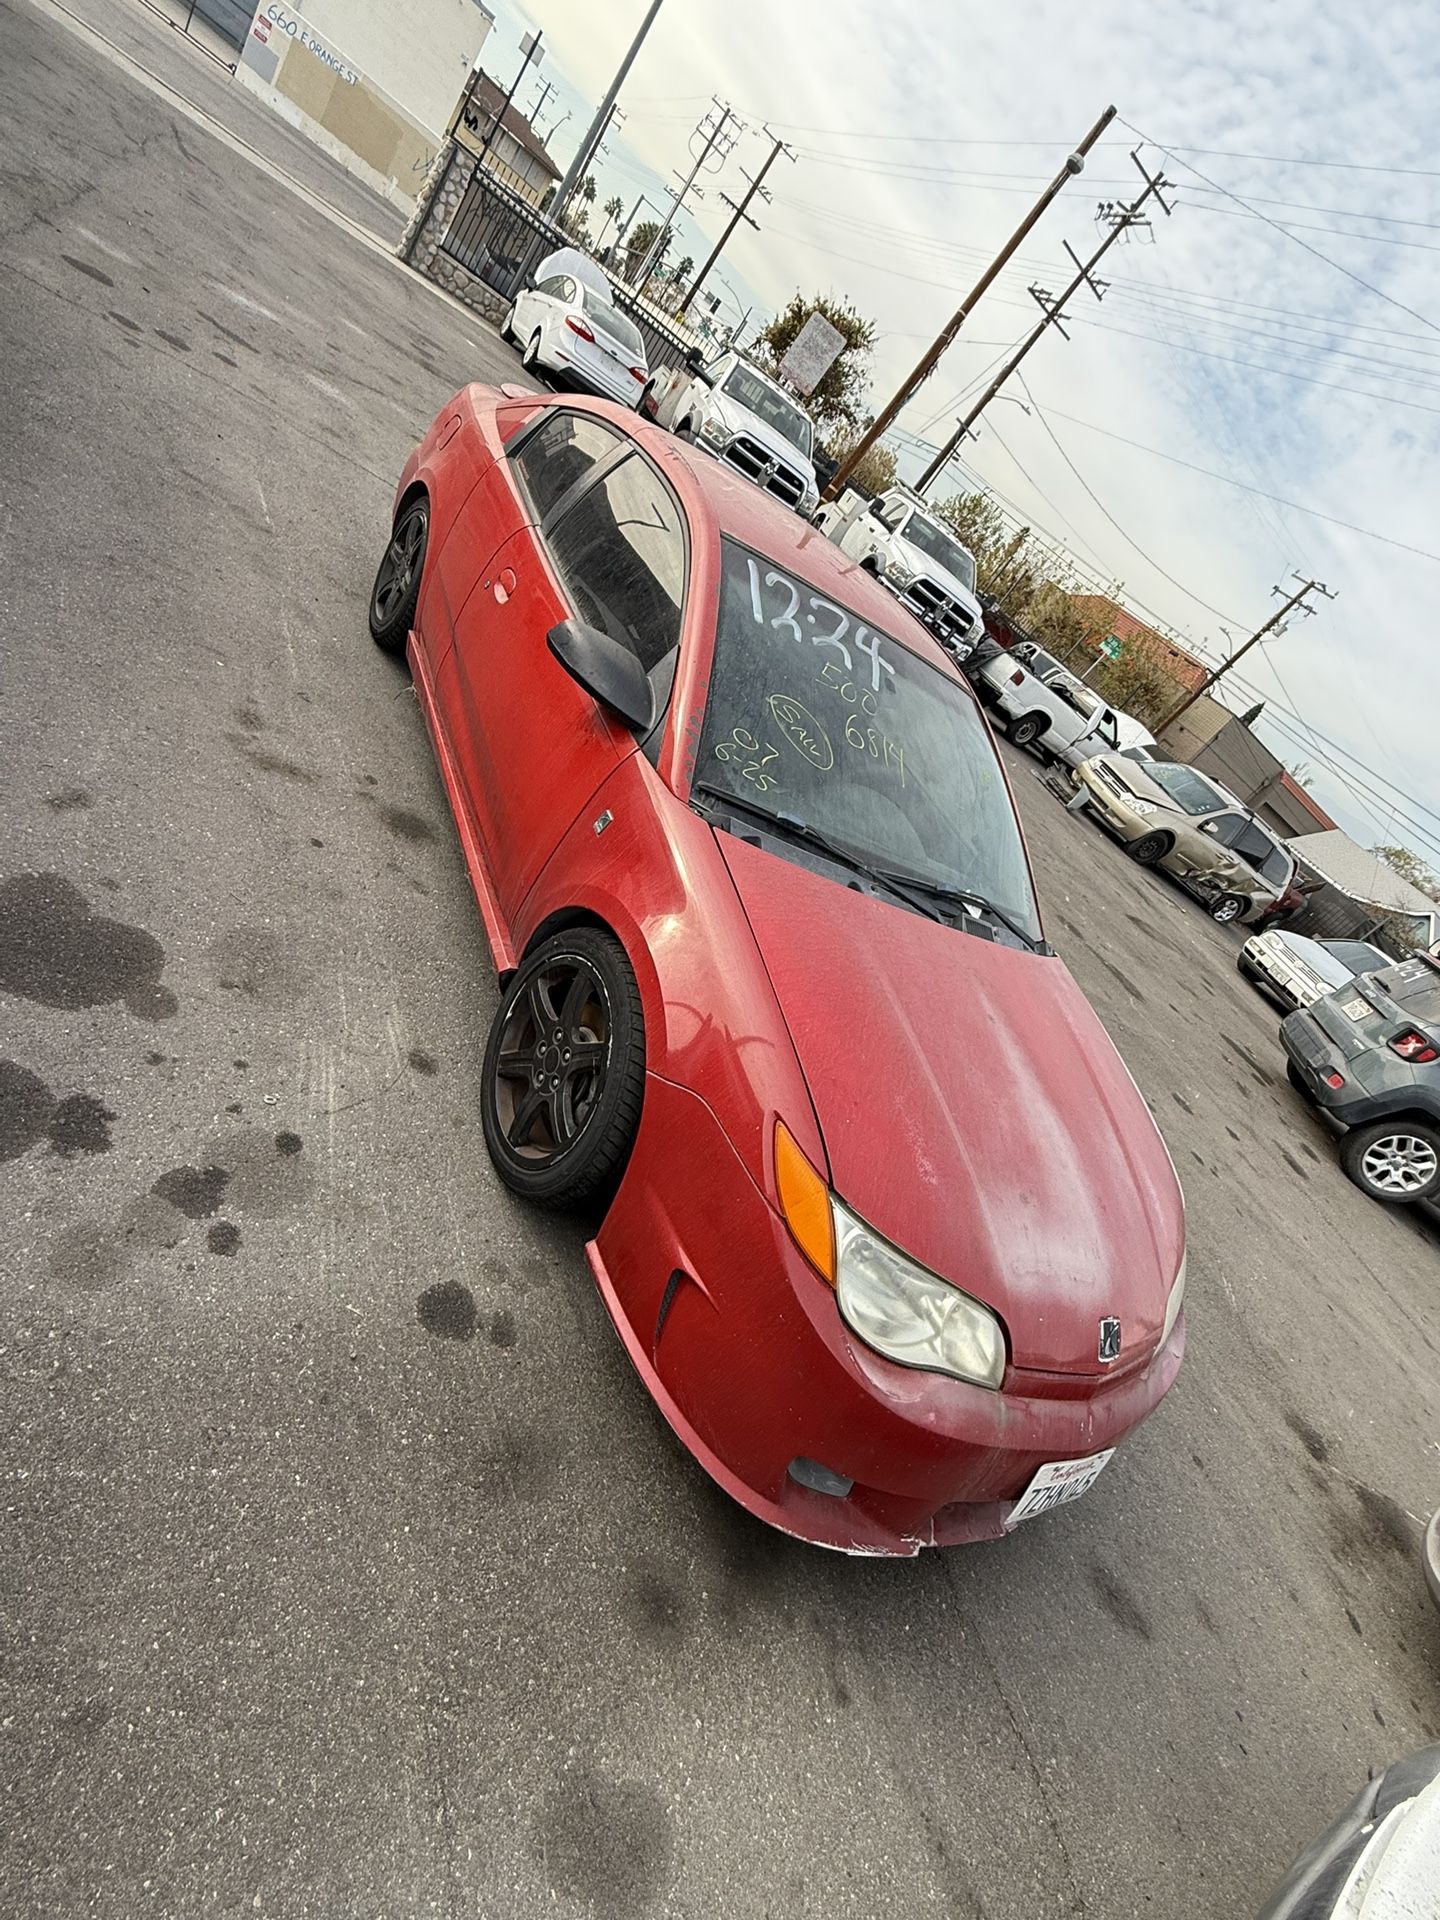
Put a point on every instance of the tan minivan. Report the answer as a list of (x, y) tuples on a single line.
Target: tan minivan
[(1176, 818)]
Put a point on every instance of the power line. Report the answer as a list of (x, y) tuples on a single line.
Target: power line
[(1129, 540), (1349, 274), (1229, 480)]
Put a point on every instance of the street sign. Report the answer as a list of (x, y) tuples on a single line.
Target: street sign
[(811, 354), (1112, 646)]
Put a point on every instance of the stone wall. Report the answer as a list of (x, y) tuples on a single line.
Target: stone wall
[(435, 206)]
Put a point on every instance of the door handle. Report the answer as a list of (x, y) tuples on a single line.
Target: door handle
[(505, 584)]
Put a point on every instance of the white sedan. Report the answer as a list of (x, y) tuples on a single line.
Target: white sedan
[(571, 329)]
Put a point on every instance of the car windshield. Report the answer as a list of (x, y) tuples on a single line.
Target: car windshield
[(1190, 791), (941, 547), (608, 319), (1321, 958), (1355, 956), (814, 715), (749, 391)]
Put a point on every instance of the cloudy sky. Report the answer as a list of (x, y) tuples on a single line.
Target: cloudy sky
[(1227, 342)]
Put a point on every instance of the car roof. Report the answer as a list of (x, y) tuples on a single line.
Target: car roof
[(750, 515)]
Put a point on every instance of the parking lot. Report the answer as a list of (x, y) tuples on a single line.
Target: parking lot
[(347, 1568)]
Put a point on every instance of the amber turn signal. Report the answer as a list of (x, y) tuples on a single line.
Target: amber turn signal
[(805, 1203)]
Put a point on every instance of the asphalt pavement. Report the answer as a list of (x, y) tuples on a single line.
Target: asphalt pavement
[(346, 1569)]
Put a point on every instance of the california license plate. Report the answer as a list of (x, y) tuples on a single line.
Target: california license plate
[(1356, 1009), (1054, 1484)]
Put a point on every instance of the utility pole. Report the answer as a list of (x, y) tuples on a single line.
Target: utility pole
[(925, 366), (1272, 625), (602, 112), (713, 133), (539, 106), (756, 186), (1120, 220)]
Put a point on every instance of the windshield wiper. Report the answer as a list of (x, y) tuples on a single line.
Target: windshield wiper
[(801, 831), (967, 897)]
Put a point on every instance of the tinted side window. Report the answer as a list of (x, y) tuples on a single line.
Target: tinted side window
[(560, 451), (620, 555), (1227, 828), (1258, 848), (892, 515)]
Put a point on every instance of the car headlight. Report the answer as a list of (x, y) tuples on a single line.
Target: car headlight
[(898, 574), (1174, 1304), (715, 432), (1141, 806), (892, 1303)]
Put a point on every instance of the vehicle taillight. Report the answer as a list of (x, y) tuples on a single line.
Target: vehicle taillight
[(1017, 677), (578, 326), (1414, 1047), (638, 373)]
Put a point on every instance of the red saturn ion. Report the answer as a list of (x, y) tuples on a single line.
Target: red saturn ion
[(891, 1236)]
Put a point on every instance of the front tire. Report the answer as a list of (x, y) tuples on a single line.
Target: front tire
[(1150, 849), (1396, 1162), (564, 1071), (530, 358), (397, 581), (507, 328), (1227, 908)]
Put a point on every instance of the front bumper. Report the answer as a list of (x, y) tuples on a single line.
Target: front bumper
[(1109, 808), (745, 1353), (1283, 983)]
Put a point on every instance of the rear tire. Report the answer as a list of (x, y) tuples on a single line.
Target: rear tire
[(1027, 729), (1296, 1079), (397, 580), (1396, 1162), (686, 431), (564, 1073), (1150, 849), (1229, 907)]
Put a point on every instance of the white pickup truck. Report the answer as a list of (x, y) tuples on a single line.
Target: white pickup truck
[(917, 556), (1058, 716), (744, 418)]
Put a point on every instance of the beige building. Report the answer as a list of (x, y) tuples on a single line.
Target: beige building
[(373, 82)]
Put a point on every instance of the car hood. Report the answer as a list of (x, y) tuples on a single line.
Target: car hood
[(919, 561), (974, 1111), (740, 420)]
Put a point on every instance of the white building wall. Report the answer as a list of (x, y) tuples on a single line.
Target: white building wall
[(417, 51)]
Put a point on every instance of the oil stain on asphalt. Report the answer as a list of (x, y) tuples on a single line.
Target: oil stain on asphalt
[(56, 952), (30, 1112)]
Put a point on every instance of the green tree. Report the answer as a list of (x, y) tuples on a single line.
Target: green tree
[(836, 401), (1412, 868), (586, 190), (876, 470), (684, 268), (614, 206)]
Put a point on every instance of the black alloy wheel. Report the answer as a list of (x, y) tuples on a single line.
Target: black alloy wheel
[(565, 1069), (1150, 848), (397, 583)]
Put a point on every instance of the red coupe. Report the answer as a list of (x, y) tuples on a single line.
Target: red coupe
[(889, 1232)]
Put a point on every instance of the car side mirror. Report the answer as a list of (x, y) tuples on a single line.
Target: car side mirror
[(607, 669)]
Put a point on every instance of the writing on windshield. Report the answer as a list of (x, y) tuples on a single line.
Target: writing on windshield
[(814, 715), (1188, 789), (773, 408)]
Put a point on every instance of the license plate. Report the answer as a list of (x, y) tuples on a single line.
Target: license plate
[(1357, 1009), (1054, 1484)]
